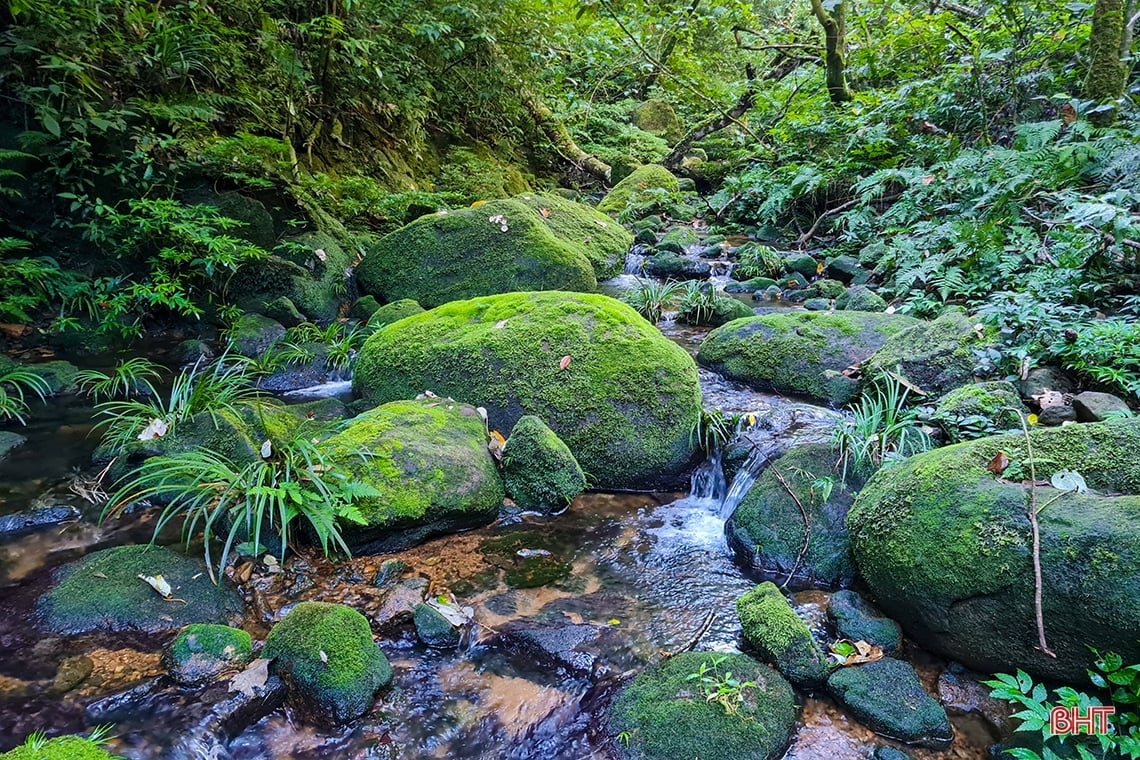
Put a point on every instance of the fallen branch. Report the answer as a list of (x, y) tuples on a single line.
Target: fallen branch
[(695, 639), (1037, 583), (804, 238)]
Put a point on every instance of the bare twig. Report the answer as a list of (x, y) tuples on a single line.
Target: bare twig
[(696, 637), (807, 525), (1037, 584)]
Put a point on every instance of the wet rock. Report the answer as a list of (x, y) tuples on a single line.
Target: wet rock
[(936, 356), (72, 672), (800, 352), (580, 650), (103, 591), (363, 308), (678, 240), (960, 693), (229, 715), (8, 442), (774, 630), (540, 473), (767, 530), (817, 304), (820, 289), (668, 265), (857, 620), (36, 519), (663, 715), (389, 573), (860, 298), (890, 753), (624, 402), (793, 281), (754, 285), (435, 630), (326, 656), (1092, 406), (429, 464), (191, 352), (1041, 379), (253, 334), (944, 548), (283, 310), (400, 604), (124, 705), (201, 652), (394, 312), (802, 263), (847, 270), (528, 558), (886, 697), (1059, 414), (631, 189)]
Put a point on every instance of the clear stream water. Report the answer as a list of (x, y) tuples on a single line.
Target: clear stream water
[(646, 573)]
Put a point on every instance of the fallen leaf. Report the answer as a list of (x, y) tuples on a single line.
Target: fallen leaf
[(564, 363), (600, 223), (156, 429), (500, 324), (159, 584), (482, 412), (100, 575), (1069, 480), (927, 180), (324, 657), (266, 450), (613, 621), (252, 678), (496, 445), (320, 254), (545, 213), (452, 612), (998, 464), (848, 652)]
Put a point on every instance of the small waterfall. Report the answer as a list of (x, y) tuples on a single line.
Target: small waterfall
[(634, 262), (708, 486), (742, 482)]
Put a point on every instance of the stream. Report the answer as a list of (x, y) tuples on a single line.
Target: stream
[(626, 578)]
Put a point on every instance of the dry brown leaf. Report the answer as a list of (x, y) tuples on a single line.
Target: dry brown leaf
[(496, 445), (998, 464), (252, 678), (564, 363), (545, 213)]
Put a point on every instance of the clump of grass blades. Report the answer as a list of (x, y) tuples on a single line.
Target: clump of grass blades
[(882, 428), (15, 387), (650, 298), (133, 377)]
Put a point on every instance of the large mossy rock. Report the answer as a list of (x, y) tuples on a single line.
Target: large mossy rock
[(767, 530), (657, 117), (624, 404), (945, 549), (311, 271), (428, 460), (665, 717), (887, 697), (798, 352), (643, 178), (326, 655), (532, 242), (773, 629), (103, 592), (937, 356), (540, 472), (61, 748)]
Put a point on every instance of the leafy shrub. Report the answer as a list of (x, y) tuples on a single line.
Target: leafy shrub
[(1107, 351), (755, 260)]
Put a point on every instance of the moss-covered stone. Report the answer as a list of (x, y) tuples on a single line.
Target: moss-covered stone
[(648, 177), (670, 266), (540, 473), (819, 289), (394, 312), (311, 271), (103, 591), (860, 298), (847, 270), (326, 655), (793, 352), (428, 460), (624, 404), (664, 715), (750, 286), (434, 629), (10, 441), (803, 263), (858, 621), (886, 697), (657, 117), (996, 403), (936, 356), (256, 222), (528, 558), (61, 748), (944, 548), (253, 334), (678, 240), (767, 529), (532, 242), (364, 307), (774, 630), (203, 651), (723, 311)]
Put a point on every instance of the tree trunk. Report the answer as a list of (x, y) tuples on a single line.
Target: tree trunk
[(1107, 74), (667, 47), (834, 23)]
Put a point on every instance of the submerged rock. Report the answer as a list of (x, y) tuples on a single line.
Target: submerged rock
[(768, 532), (799, 352), (774, 630), (857, 620), (202, 651), (936, 356), (945, 549), (498, 247), (326, 656), (428, 461), (434, 629), (10, 441), (36, 519), (619, 394), (103, 591), (643, 178), (540, 473), (664, 715), (886, 697), (581, 650)]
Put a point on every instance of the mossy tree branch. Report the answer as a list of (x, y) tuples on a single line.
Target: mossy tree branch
[(833, 18), (1107, 74)]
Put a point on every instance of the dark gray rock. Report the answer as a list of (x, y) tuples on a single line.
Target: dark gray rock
[(1051, 416), (887, 697), (1092, 406), (9, 441), (857, 620)]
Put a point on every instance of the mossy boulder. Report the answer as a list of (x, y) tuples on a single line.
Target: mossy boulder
[(944, 547), (750, 286), (252, 334), (802, 263), (847, 270), (860, 298), (664, 715), (428, 460), (203, 651), (624, 403), (256, 221), (767, 530), (774, 630), (311, 271), (103, 592), (857, 620), (61, 748), (678, 240), (59, 375), (886, 697), (540, 472), (671, 266), (803, 353), (394, 312), (532, 242), (723, 311), (937, 356), (657, 117), (326, 655), (648, 177), (992, 405), (364, 307), (825, 289)]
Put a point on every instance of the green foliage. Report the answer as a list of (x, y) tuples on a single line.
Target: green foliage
[(341, 341), (721, 688), (650, 298), (713, 430), (882, 429), (15, 387), (1107, 351), (130, 377), (1119, 687), (755, 260), (698, 299)]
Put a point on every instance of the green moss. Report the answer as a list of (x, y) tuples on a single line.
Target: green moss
[(326, 654), (394, 312), (61, 748), (460, 254), (936, 356), (944, 548), (252, 334), (479, 172), (860, 298), (201, 651), (803, 264), (792, 352), (648, 177), (858, 621), (664, 716), (658, 118), (309, 270), (624, 404), (103, 591), (363, 308), (887, 697), (541, 562), (540, 473), (998, 402), (429, 461), (723, 311), (781, 638), (604, 242)]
